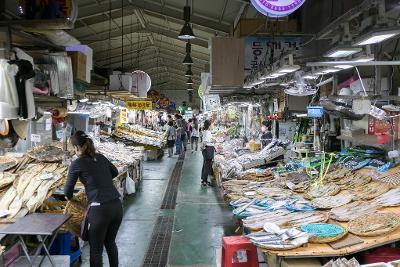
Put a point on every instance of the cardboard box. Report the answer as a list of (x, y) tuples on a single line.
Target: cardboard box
[(78, 60)]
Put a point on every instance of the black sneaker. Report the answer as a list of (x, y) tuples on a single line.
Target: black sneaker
[(209, 184), (203, 184)]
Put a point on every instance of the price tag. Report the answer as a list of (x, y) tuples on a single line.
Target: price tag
[(60, 134), (35, 138)]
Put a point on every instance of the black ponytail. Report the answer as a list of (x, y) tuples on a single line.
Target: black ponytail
[(81, 140)]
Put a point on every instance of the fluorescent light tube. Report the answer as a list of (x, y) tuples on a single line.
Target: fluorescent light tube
[(343, 51), (376, 36), (343, 67)]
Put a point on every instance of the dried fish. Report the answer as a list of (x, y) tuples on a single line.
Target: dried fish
[(330, 202), (374, 224), (6, 179), (8, 198), (389, 199), (317, 190), (353, 210), (46, 153), (370, 191), (7, 163)]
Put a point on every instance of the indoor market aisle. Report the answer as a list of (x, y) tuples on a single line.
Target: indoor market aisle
[(172, 219), (201, 219)]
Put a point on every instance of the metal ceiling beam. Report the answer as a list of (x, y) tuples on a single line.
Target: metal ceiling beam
[(153, 60), (104, 35), (143, 23), (158, 8), (162, 50), (223, 11)]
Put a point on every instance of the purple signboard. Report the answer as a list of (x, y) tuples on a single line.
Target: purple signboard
[(277, 8)]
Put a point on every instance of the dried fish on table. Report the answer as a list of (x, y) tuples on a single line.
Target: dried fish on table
[(6, 179), (27, 175), (389, 199), (370, 191), (375, 224), (274, 238), (352, 210), (338, 174), (392, 178), (7, 163), (317, 190), (46, 153), (330, 202), (277, 193), (354, 181), (285, 218), (8, 198), (301, 187)]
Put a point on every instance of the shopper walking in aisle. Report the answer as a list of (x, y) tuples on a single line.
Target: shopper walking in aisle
[(184, 134), (105, 212), (179, 129), (208, 154), (171, 137), (195, 135)]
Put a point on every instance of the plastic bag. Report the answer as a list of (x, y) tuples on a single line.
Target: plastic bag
[(130, 185)]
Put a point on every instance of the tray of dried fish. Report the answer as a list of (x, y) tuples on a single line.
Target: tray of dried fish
[(285, 218), (354, 181), (46, 153), (338, 174), (324, 232), (375, 224), (317, 190), (7, 163), (275, 238), (392, 179), (389, 199), (352, 210), (330, 202), (277, 193), (370, 191)]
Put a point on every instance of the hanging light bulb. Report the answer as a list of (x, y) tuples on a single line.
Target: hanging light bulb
[(189, 81), (190, 87), (188, 59), (189, 71), (187, 31)]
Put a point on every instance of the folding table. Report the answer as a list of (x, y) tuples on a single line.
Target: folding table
[(42, 225)]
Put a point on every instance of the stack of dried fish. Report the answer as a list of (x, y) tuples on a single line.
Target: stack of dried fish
[(374, 224), (317, 190), (46, 153), (353, 181), (32, 187), (389, 199), (257, 175), (330, 202), (7, 163), (352, 210), (275, 238), (370, 191), (285, 218), (142, 136), (118, 152)]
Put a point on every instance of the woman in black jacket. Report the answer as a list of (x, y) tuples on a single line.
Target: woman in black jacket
[(96, 173)]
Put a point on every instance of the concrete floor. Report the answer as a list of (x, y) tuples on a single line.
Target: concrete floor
[(201, 219)]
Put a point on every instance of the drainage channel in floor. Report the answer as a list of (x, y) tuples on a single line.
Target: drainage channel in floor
[(157, 253), (169, 201)]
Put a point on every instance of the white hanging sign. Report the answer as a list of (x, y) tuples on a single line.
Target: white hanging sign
[(35, 138), (277, 8)]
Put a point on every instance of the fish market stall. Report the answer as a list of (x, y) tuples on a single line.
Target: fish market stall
[(135, 135), (328, 206)]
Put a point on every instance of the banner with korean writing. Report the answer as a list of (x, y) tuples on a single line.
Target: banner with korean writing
[(139, 104), (258, 50)]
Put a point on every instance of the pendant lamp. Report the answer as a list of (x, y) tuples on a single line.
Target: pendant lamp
[(189, 72), (189, 81), (187, 31)]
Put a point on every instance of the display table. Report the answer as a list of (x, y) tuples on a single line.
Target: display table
[(42, 225), (325, 250)]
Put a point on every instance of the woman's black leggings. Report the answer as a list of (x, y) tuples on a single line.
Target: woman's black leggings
[(104, 222)]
